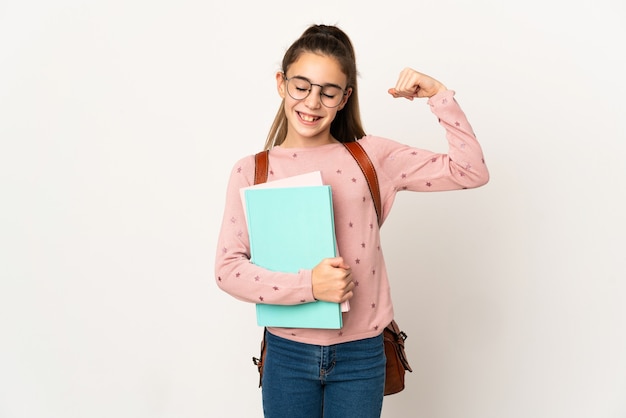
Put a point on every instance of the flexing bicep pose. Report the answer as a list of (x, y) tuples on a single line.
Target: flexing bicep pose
[(312, 372)]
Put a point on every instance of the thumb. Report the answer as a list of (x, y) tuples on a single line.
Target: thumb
[(396, 94), (338, 262)]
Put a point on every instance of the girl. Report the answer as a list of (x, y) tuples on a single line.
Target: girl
[(320, 372)]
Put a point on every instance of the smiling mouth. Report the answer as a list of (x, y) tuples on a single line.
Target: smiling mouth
[(308, 118)]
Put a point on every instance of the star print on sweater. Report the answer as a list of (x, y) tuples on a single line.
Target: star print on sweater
[(399, 167)]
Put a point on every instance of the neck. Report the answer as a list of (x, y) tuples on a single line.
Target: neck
[(300, 142)]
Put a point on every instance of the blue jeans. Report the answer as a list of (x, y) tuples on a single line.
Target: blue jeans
[(344, 380)]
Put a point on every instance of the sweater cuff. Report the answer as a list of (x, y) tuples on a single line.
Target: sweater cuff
[(307, 294), (441, 99)]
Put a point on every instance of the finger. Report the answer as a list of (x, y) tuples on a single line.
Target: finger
[(406, 82), (346, 297), (335, 262), (397, 94), (341, 264)]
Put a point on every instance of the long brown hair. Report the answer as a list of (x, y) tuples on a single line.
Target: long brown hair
[(333, 42)]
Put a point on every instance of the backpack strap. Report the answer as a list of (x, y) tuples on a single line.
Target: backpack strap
[(261, 169), (366, 166), (261, 166)]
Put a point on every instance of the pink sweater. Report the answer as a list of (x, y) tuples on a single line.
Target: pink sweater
[(399, 167)]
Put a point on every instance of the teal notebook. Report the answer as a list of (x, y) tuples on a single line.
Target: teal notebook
[(290, 229)]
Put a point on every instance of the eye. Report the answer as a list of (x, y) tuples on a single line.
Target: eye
[(331, 92), (300, 84)]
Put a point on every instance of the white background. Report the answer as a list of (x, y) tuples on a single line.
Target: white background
[(120, 122)]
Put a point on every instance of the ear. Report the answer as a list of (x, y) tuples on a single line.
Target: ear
[(280, 84), (345, 99)]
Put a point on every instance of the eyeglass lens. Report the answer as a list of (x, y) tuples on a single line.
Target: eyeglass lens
[(300, 88)]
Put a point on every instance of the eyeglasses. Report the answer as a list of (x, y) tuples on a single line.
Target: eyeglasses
[(299, 88)]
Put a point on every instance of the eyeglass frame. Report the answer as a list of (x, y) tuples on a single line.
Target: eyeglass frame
[(344, 91)]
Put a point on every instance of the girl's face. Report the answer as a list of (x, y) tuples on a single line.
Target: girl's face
[(309, 118)]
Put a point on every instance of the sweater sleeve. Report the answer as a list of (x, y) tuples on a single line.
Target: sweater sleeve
[(408, 168), (234, 272)]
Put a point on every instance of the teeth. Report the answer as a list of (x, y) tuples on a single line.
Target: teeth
[(308, 118)]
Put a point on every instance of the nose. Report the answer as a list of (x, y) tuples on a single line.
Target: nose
[(314, 99)]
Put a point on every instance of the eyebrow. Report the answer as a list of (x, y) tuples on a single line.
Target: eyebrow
[(323, 85)]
